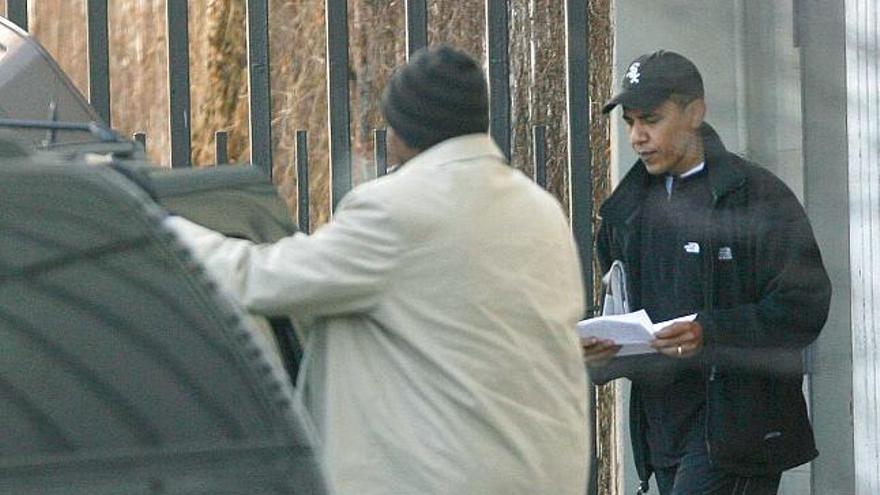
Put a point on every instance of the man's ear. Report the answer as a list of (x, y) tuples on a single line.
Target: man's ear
[(398, 152), (696, 112)]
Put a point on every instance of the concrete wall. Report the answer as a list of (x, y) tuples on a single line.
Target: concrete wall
[(772, 92), (822, 36)]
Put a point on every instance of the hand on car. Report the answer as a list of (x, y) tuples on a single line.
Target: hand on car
[(598, 352), (679, 340)]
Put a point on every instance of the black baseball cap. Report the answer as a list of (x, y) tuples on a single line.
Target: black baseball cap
[(653, 77)]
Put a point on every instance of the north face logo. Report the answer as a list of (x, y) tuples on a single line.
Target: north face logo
[(633, 73)]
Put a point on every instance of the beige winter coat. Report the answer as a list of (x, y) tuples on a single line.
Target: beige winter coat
[(438, 310)]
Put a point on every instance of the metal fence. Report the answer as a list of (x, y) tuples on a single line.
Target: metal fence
[(336, 18)]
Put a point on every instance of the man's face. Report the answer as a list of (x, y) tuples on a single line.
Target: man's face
[(667, 137)]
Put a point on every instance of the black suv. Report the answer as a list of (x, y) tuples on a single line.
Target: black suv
[(124, 369)]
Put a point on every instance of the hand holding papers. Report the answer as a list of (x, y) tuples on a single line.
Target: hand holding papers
[(632, 331)]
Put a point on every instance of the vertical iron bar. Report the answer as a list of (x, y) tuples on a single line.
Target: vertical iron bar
[(497, 33), (539, 154), (17, 12), (141, 138), (99, 58), (221, 148), (579, 154), (379, 152), (178, 82), (259, 84), (416, 25), (51, 134), (580, 179), (337, 99), (302, 180)]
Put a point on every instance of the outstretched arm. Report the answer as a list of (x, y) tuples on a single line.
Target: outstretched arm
[(342, 268)]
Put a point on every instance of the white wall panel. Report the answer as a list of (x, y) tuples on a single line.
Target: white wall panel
[(863, 126)]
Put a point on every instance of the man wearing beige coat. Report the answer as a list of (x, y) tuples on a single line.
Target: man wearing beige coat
[(438, 308)]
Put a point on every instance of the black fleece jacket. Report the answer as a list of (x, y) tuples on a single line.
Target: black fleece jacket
[(766, 298)]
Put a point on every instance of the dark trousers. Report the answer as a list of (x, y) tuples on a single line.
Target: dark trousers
[(693, 475)]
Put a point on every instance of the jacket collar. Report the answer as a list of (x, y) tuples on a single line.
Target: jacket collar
[(459, 148), (723, 173)]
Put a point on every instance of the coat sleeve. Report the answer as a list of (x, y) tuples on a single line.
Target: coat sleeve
[(792, 291), (343, 268)]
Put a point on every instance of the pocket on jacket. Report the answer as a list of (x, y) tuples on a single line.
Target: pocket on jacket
[(742, 418)]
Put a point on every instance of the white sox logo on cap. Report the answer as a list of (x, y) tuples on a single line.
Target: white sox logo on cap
[(633, 73)]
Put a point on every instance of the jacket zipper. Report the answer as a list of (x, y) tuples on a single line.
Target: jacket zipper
[(709, 298)]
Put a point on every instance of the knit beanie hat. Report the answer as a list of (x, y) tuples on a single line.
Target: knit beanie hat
[(439, 94)]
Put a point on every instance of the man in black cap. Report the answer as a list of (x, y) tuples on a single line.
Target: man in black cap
[(438, 308), (719, 408)]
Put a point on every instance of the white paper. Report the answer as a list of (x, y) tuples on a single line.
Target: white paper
[(632, 331)]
